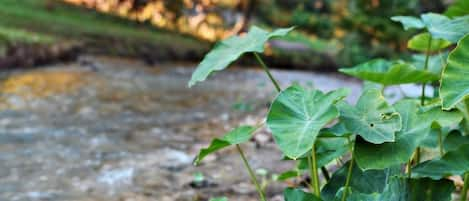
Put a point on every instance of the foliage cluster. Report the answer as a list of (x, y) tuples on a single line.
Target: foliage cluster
[(386, 145)]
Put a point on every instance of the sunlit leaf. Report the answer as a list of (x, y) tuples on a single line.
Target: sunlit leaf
[(454, 85), (230, 49), (452, 163), (415, 129), (288, 174), (389, 73), (442, 27), (409, 22), (236, 136), (296, 116), (420, 42), (293, 194), (372, 118)]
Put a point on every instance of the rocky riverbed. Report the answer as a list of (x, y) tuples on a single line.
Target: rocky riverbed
[(116, 129)]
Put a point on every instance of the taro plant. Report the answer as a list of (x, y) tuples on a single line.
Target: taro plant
[(411, 149)]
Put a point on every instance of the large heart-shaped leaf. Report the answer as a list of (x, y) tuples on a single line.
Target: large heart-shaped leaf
[(230, 49), (236, 136), (452, 163), (409, 22), (415, 129), (389, 72), (420, 42), (454, 85), (293, 194), (296, 116), (372, 118), (442, 27)]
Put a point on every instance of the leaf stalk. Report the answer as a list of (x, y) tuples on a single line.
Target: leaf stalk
[(466, 187), (251, 174), (349, 173), (267, 71)]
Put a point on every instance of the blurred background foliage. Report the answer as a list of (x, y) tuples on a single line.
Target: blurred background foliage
[(329, 33)]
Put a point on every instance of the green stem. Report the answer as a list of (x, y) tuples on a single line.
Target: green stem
[(314, 172), (409, 169), (325, 173), (310, 165), (349, 173), (440, 142), (251, 173), (266, 69), (425, 67), (466, 187), (417, 155)]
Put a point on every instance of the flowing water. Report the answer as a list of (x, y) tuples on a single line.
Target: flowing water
[(115, 129)]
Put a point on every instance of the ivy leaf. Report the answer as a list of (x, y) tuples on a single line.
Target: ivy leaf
[(389, 72), (409, 22), (452, 163), (442, 27), (420, 42), (230, 49), (293, 194), (415, 129), (454, 85), (296, 116), (236, 136), (372, 118)]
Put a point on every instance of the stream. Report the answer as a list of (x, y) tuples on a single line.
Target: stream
[(104, 128)]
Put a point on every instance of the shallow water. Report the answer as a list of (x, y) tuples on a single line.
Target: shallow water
[(115, 129)]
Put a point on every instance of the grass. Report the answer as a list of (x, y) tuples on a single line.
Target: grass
[(41, 21)]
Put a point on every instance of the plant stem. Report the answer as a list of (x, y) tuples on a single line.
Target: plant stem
[(409, 169), (349, 173), (325, 173), (251, 174), (425, 67), (422, 96), (266, 69), (310, 165), (466, 187), (440, 143), (314, 172)]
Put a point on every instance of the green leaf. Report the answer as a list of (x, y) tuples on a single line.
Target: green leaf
[(458, 8), (455, 140), (230, 49), (442, 27), (219, 199), (389, 73), (454, 85), (372, 118), (403, 189), (409, 22), (452, 163), (293, 194), (420, 42), (236, 136), (288, 174), (415, 128), (370, 181), (296, 116)]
